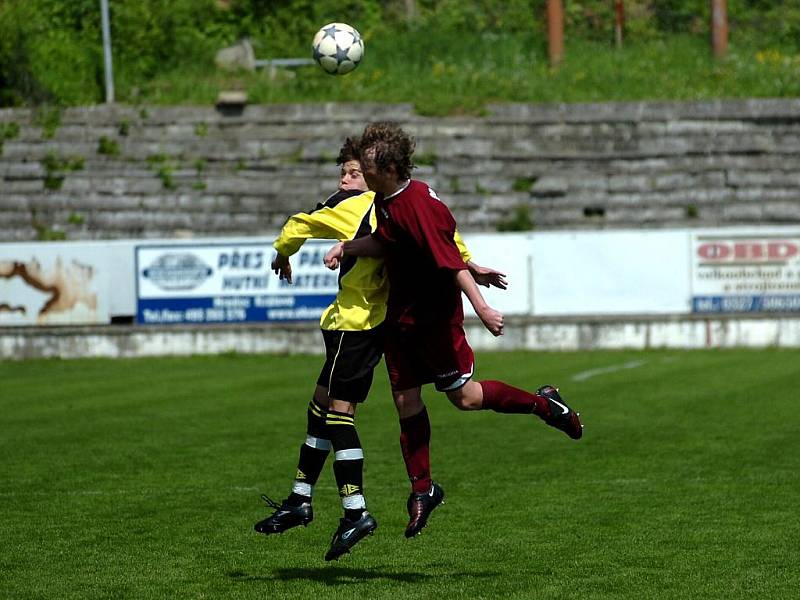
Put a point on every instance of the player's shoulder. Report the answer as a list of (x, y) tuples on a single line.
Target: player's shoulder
[(340, 196), (418, 191), (423, 193)]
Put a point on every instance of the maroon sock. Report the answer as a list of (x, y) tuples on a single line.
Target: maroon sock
[(503, 398), (415, 439)]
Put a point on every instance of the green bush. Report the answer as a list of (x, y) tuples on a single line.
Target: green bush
[(51, 51), (520, 220), (18, 83), (55, 167), (107, 146)]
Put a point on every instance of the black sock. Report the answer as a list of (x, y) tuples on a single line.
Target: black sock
[(313, 454), (348, 466)]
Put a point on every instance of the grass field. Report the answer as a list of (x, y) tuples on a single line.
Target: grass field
[(141, 479), (443, 73)]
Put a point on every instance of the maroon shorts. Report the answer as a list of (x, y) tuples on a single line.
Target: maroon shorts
[(438, 354)]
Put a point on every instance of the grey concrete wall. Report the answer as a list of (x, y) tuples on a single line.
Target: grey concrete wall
[(553, 334), (163, 172)]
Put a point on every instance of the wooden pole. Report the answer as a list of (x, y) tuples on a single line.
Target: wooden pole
[(719, 27), (555, 31), (619, 21)]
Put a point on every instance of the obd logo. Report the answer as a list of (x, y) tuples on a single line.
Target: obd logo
[(751, 251)]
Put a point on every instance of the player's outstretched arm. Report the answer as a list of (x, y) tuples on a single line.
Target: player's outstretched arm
[(487, 277), (282, 267), (492, 319), (363, 246)]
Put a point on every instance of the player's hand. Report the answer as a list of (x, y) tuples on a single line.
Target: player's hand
[(282, 267), (492, 320), (487, 277), (334, 256)]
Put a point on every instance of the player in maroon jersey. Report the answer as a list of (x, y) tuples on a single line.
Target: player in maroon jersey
[(425, 341)]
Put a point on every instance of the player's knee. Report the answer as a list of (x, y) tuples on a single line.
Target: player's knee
[(464, 401), (321, 396), (408, 403)]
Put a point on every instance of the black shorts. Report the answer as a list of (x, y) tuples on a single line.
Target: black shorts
[(350, 359)]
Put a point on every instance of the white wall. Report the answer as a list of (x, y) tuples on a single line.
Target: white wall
[(584, 273)]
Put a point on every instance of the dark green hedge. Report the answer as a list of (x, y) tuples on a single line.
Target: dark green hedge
[(51, 52)]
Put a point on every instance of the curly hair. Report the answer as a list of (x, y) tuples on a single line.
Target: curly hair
[(392, 146), (348, 151)]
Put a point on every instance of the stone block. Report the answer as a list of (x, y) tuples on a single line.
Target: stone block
[(637, 165), (747, 179), (503, 203), (23, 186), (149, 185), (10, 219), (20, 170), (273, 160), (13, 202), (629, 183), (672, 181), (583, 181), (17, 234), (663, 146), (787, 143), (788, 212), (466, 148), (760, 195), (465, 201), (458, 166), (75, 184), (549, 186), (742, 212)]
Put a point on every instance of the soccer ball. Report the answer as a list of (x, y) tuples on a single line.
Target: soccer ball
[(338, 48)]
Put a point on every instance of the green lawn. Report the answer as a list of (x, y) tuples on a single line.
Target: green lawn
[(454, 74), (141, 479)]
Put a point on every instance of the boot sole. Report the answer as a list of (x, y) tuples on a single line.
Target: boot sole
[(304, 523)]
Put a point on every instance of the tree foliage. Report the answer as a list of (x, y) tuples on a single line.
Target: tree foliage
[(51, 50)]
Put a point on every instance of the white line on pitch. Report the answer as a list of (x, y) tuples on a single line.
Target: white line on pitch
[(584, 375)]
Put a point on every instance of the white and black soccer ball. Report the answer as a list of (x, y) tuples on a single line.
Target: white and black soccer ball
[(338, 48)]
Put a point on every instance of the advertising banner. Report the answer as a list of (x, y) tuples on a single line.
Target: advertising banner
[(610, 273), (229, 282), (53, 284), (509, 253), (746, 272)]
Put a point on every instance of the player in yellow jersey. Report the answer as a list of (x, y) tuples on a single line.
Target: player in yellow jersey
[(352, 328)]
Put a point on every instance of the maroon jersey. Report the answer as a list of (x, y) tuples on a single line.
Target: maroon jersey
[(421, 257)]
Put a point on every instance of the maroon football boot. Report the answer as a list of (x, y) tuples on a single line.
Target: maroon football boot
[(420, 507)]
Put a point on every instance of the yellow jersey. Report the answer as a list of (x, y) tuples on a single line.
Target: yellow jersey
[(360, 303)]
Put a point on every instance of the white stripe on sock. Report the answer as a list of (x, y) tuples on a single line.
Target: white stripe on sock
[(318, 443), (349, 454), (353, 502), (303, 489)]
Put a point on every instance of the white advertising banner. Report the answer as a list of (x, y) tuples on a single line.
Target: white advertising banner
[(54, 284), (746, 271), (229, 282), (610, 272), (509, 253)]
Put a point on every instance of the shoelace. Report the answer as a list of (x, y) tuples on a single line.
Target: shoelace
[(270, 502)]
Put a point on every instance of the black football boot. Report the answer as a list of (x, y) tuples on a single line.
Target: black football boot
[(561, 416), (349, 534), (285, 516)]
